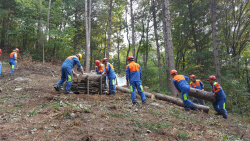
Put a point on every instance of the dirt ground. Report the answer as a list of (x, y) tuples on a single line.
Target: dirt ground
[(37, 112)]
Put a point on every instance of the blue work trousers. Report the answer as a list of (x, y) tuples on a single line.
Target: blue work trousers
[(12, 64), (195, 100), (66, 74), (138, 85), (220, 104), (111, 85), (184, 94)]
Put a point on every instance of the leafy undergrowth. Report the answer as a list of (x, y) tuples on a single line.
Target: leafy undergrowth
[(37, 112)]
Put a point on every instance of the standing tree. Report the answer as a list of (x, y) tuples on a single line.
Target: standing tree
[(157, 43), (133, 28), (168, 45), (109, 33), (87, 51), (215, 47)]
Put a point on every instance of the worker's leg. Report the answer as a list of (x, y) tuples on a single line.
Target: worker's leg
[(195, 100), (216, 106), (140, 91), (60, 82), (132, 90), (222, 107), (68, 72), (112, 86), (201, 101), (12, 64)]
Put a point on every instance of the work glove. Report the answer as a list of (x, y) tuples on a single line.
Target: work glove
[(214, 94), (15, 61), (80, 69), (99, 72), (105, 74)]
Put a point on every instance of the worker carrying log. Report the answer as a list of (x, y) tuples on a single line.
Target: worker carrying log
[(0, 63), (100, 69), (197, 84), (13, 59), (110, 73), (181, 84), (220, 97), (66, 71), (134, 76)]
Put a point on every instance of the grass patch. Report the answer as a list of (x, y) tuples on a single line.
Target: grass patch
[(33, 112), (119, 115), (154, 112), (182, 134)]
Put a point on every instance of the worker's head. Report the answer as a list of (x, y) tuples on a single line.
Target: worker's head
[(192, 77), (105, 61), (79, 56), (130, 58), (97, 62), (16, 50), (211, 79), (173, 72)]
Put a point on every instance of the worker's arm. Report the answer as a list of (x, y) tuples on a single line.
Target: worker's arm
[(186, 78), (140, 73), (202, 85), (77, 61), (217, 87), (127, 74), (176, 85)]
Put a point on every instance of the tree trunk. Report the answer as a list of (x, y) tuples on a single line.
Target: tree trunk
[(168, 46), (40, 32), (87, 51), (159, 96), (157, 43), (215, 48), (47, 26), (118, 50), (129, 45), (142, 36), (90, 10), (109, 33), (133, 28), (75, 37)]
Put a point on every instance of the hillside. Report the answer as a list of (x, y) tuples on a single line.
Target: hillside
[(37, 112)]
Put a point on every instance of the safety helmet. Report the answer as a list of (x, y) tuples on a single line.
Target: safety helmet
[(211, 77), (130, 58), (192, 76), (79, 56), (1, 51), (173, 71), (16, 49), (104, 59), (97, 62)]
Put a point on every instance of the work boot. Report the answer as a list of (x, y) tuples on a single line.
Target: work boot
[(144, 101), (222, 111), (67, 91), (112, 93), (134, 102), (57, 87), (218, 113)]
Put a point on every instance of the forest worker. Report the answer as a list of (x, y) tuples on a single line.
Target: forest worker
[(13, 59), (110, 73), (0, 63), (66, 71), (134, 76), (220, 97), (100, 69), (197, 84), (181, 84)]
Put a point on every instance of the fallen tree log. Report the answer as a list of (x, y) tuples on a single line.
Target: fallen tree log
[(202, 94), (174, 100)]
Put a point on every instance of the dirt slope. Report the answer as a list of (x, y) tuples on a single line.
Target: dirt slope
[(37, 112)]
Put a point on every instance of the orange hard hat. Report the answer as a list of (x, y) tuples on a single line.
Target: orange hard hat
[(173, 71)]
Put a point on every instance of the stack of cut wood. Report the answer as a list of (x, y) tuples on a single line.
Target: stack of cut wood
[(88, 83)]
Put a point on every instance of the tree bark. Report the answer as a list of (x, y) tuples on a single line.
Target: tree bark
[(87, 51), (75, 37), (47, 26), (142, 36), (133, 28), (109, 33), (159, 96), (129, 45), (157, 43), (215, 47), (168, 46)]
